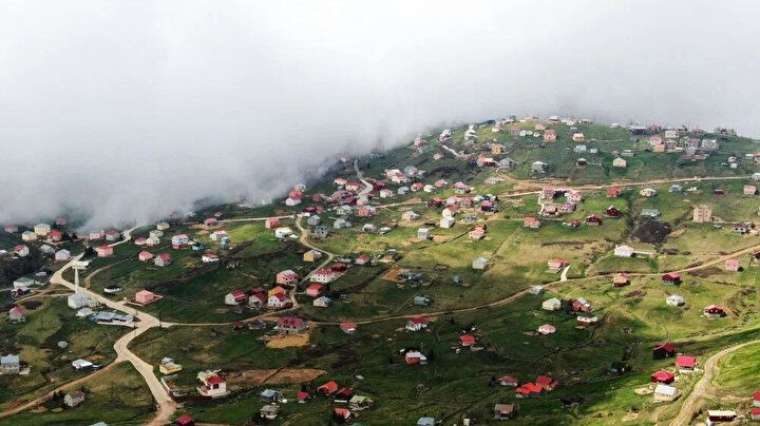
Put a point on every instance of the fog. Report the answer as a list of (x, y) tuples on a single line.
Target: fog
[(127, 110)]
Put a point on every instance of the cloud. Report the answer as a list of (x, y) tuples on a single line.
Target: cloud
[(126, 111)]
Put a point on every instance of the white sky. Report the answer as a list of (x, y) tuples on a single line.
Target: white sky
[(127, 110)]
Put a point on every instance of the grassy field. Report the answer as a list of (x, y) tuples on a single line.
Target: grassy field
[(36, 340)]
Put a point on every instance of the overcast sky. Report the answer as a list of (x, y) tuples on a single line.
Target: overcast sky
[(126, 110)]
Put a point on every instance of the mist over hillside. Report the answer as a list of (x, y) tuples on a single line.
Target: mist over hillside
[(126, 111)]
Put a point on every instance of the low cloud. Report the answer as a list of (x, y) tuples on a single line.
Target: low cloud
[(126, 111)]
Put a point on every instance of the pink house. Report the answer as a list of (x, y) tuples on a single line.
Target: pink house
[(209, 222), (286, 277), (104, 251), (271, 223), (55, 235), (145, 297), (315, 290), (732, 265), (163, 259), (145, 256)]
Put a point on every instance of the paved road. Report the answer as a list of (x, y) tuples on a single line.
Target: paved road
[(367, 186), (144, 322)]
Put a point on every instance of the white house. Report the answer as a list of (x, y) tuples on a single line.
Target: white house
[(283, 232), (80, 300), (619, 162), (480, 263), (663, 392), (446, 222), (28, 236), (624, 251), (423, 234), (674, 300), (62, 255), (42, 229), (552, 304)]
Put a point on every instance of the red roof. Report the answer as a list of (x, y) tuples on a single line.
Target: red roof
[(686, 361), (328, 388), (546, 382), (666, 346), (347, 325), (755, 412), (529, 388), (184, 420), (303, 396), (756, 396), (467, 339), (418, 320), (214, 379), (343, 412), (509, 380), (662, 376)]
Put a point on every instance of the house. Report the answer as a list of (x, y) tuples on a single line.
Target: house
[(714, 311), (619, 163), (104, 251), (480, 263), (663, 350), (21, 250), (152, 241), (212, 385), (528, 390), (620, 279), (478, 233), (580, 305), (624, 251), (82, 365), (235, 297), (579, 137), (168, 366), (313, 220), (720, 416), (80, 300), (556, 264), (145, 297), (663, 376), (467, 340), (665, 393), (28, 236), (755, 413), (42, 229), (10, 228), (585, 321), (72, 399), (671, 278), (423, 234), (348, 327), (648, 192), (209, 258), (552, 304), (322, 302), (509, 381), (538, 167), (547, 329), (112, 235), (685, 363), (593, 220), (550, 135), (17, 314), (278, 301), (674, 300), (613, 192), (446, 222), (531, 222), (749, 190), (415, 358), (409, 216), (162, 260), (210, 222), (416, 323), (325, 275), (270, 395), (328, 389), (291, 324), (55, 236), (258, 298), (62, 255), (10, 364), (183, 420), (315, 290), (286, 277), (651, 213), (312, 256), (24, 283), (422, 301), (732, 265), (504, 411), (180, 241), (702, 214), (340, 223)]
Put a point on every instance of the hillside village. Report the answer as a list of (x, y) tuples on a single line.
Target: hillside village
[(519, 271)]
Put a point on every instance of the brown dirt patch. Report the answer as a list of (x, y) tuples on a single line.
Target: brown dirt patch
[(288, 341), (393, 275), (274, 376)]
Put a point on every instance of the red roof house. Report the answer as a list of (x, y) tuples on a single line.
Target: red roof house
[(315, 290), (467, 340), (663, 376), (686, 363), (546, 383), (328, 388)]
